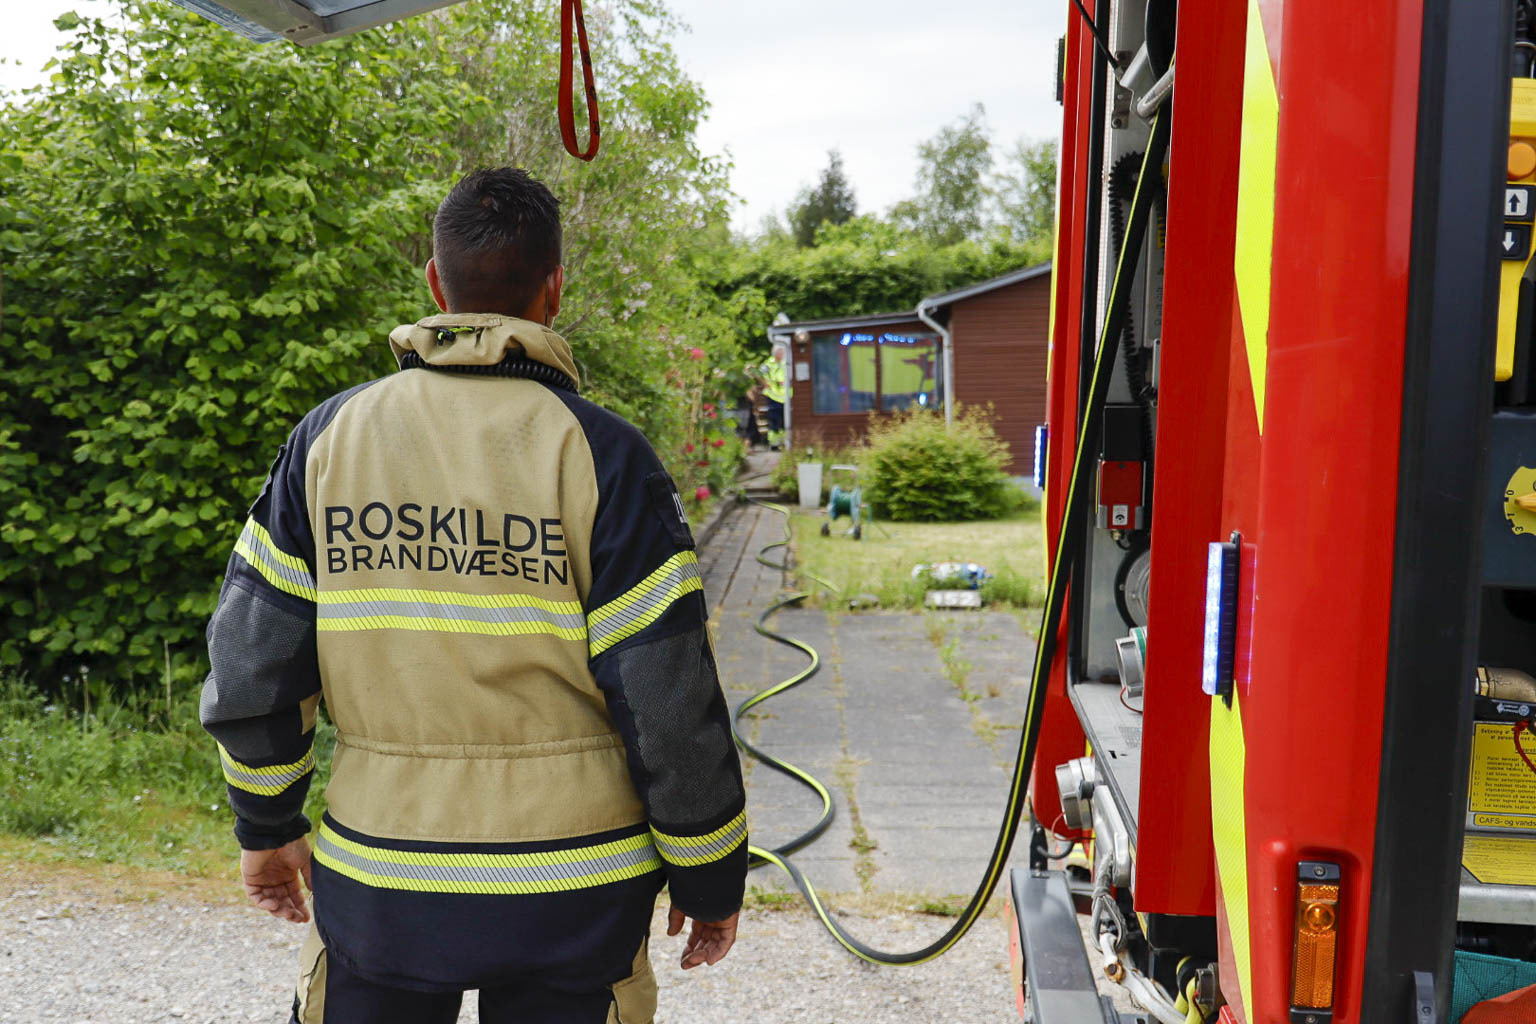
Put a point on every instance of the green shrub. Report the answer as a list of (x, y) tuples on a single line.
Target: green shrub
[(131, 781), (917, 470), (201, 238)]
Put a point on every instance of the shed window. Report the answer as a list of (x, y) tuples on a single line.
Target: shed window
[(861, 371), (909, 372), (844, 372)]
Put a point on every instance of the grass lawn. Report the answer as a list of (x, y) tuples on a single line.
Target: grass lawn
[(881, 564), (120, 786)]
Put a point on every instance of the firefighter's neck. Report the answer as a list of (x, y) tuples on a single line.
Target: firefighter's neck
[(542, 310)]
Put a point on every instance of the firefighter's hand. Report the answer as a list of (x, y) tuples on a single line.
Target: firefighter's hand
[(271, 879), (708, 942)]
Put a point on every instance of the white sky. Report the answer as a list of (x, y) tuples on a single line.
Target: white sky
[(791, 79)]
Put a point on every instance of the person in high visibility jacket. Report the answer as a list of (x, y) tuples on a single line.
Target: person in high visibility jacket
[(491, 584), (773, 393)]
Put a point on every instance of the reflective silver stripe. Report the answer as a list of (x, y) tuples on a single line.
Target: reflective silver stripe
[(411, 609), (550, 871), (645, 603), (267, 781), (284, 571), (703, 849)]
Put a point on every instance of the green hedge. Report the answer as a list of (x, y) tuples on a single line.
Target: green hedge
[(918, 470), (201, 238)]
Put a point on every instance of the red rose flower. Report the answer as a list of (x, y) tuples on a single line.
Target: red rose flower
[(701, 494)]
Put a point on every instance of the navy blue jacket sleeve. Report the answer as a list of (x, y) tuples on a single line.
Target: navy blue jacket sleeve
[(652, 657)]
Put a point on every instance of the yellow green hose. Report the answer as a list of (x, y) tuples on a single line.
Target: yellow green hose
[(1070, 539)]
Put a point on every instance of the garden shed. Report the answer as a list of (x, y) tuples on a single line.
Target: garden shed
[(981, 344)]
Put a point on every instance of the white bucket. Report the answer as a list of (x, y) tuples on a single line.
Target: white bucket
[(810, 484)]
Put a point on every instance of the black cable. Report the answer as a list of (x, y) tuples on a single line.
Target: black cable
[(1074, 528), (1098, 36)]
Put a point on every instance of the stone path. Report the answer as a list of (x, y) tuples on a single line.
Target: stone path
[(919, 771)]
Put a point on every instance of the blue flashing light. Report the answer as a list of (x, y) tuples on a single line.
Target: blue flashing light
[(864, 338), (1220, 618), (1042, 438)]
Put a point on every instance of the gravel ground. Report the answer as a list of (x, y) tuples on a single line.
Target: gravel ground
[(70, 954)]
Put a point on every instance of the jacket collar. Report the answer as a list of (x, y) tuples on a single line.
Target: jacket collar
[(482, 339)]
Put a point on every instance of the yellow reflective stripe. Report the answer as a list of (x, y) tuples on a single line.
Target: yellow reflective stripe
[(644, 603), (1229, 835), (449, 626), (487, 873), (641, 589), (449, 597), (284, 571), (705, 840), (447, 611), (269, 780), (291, 561), (693, 850), (1253, 248)]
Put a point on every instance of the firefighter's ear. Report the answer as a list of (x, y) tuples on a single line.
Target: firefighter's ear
[(554, 284), (436, 284)]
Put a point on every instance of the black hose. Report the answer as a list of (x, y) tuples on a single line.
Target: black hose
[(801, 776), (1074, 528)]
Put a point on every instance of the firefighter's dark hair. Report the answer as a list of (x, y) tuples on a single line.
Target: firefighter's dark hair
[(496, 237)]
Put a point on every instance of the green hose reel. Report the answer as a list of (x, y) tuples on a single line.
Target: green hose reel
[(848, 503)]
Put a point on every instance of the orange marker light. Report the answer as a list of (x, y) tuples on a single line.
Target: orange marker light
[(1522, 160), (1317, 942)]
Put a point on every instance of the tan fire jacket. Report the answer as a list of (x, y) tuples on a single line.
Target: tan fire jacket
[(492, 583)]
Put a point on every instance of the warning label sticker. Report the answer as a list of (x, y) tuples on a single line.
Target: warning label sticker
[(1500, 860), (1502, 789)]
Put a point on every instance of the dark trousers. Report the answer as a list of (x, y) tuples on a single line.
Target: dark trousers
[(331, 993)]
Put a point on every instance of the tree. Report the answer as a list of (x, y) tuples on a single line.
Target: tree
[(1026, 191), (866, 265), (202, 238), (831, 201), (952, 195)]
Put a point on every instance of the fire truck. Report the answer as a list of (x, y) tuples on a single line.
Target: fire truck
[(1277, 754), (1289, 460)]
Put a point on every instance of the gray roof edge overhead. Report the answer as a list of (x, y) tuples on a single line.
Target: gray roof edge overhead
[(982, 287), (833, 323), (306, 21)]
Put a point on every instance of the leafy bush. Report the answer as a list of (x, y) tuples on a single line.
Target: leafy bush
[(202, 238), (917, 470)]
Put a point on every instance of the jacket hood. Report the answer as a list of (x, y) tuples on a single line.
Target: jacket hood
[(482, 339)]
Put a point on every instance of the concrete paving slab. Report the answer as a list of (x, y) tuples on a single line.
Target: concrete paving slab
[(919, 773)]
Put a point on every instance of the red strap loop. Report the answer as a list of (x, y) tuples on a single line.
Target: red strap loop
[(570, 10), (1524, 725)]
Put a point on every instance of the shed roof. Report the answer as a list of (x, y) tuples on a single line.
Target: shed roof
[(982, 287), (842, 322), (933, 302)]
